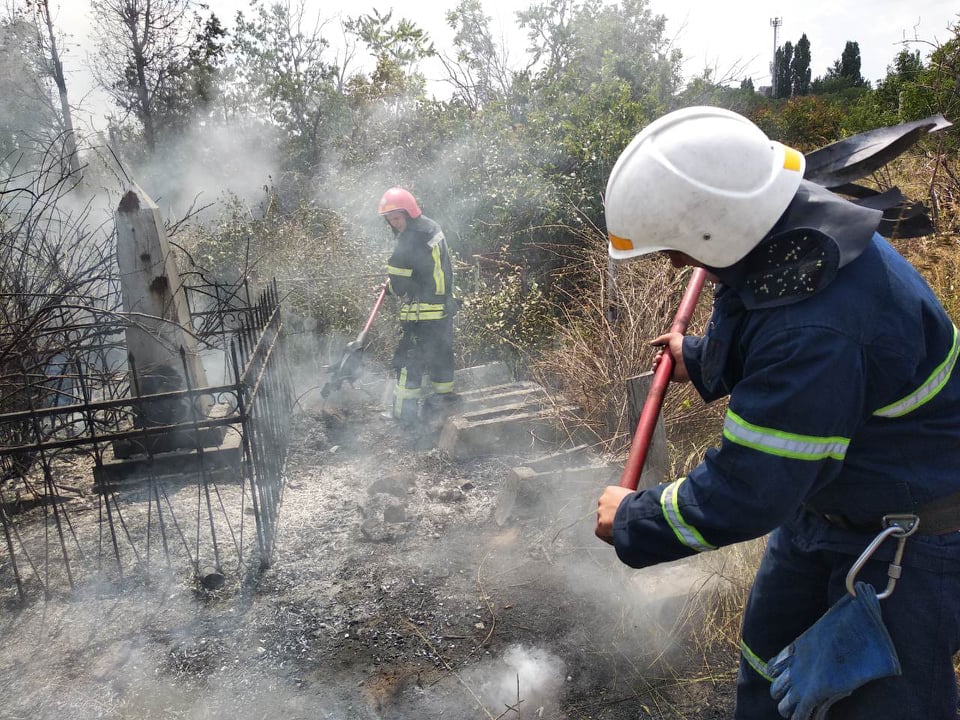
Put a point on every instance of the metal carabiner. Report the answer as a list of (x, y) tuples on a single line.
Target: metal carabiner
[(898, 526)]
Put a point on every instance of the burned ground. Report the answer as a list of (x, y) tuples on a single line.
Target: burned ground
[(393, 594)]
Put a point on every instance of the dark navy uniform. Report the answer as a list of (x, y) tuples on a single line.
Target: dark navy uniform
[(844, 407), (421, 275)]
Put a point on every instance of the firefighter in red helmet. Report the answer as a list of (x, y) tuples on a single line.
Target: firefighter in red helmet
[(421, 276)]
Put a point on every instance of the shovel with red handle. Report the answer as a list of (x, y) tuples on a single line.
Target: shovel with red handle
[(350, 362), (658, 387)]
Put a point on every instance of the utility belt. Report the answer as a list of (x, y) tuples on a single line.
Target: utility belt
[(937, 518)]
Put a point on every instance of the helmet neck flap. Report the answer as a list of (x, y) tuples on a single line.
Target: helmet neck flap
[(818, 234)]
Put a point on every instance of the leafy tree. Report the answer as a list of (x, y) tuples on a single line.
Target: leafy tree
[(843, 74), (51, 54), (575, 44), (28, 118), (144, 53), (602, 72), (782, 82), (281, 77), (849, 66), (398, 49), (402, 44), (550, 35), (479, 72), (800, 67), (134, 52), (701, 90), (914, 89), (195, 83)]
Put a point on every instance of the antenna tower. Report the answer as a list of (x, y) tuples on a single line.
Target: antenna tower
[(775, 23)]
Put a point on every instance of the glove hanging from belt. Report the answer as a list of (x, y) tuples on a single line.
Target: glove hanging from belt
[(844, 650)]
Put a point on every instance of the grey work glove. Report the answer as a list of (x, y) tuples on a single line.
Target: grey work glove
[(845, 649)]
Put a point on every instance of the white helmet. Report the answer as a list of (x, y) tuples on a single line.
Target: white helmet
[(702, 181)]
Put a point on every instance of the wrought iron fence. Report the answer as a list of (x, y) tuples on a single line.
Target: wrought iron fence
[(91, 493)]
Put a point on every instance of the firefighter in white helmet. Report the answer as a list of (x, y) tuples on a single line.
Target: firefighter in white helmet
[(843, 424)]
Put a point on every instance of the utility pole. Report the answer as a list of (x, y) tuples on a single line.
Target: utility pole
[(775, 23)]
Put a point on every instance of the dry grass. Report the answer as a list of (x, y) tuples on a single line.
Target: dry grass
[(604, 339)]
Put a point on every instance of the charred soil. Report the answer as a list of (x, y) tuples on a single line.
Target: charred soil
[(393, 594)]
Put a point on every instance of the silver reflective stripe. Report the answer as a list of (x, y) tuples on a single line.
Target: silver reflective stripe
[(687, 534), (762, 668), (929, 389), (782, 444)]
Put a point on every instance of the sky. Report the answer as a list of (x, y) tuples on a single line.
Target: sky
[(725, 36), (735, 43)]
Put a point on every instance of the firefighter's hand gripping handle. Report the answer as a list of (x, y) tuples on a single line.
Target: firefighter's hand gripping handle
[(658, 388)]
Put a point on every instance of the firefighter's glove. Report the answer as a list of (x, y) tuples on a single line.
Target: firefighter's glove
[(846, 648)]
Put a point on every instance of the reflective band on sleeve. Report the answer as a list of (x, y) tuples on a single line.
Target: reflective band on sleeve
[(687, 534), (782, 444), (438, 279), (402, 272), (756, 663), (928, 390)]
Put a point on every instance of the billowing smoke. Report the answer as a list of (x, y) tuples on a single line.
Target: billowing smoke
[(526, 678)]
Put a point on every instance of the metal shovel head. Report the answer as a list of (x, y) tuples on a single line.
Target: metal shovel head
[(859, 155), (348, 369)]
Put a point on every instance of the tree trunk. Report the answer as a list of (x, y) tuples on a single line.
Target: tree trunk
[(72, 164)]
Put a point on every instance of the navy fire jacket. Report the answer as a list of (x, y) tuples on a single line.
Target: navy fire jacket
[(420, 271), (845, 402)]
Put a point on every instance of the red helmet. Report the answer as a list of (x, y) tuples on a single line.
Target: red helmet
[(396, 198)]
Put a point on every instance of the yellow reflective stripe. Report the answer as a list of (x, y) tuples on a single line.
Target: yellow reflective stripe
[(687, 534), (405, 393), (438, 280), (402, 272), (413, 316), (782, 444), (620, 243), (762, 668), (402, 393), (422, 311), (443, 388), (928, 390)]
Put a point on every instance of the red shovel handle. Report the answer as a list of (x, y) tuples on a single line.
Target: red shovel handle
[(373, 313), (658, 388)]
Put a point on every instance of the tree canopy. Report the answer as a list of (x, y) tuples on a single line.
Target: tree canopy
[(513, 155)]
